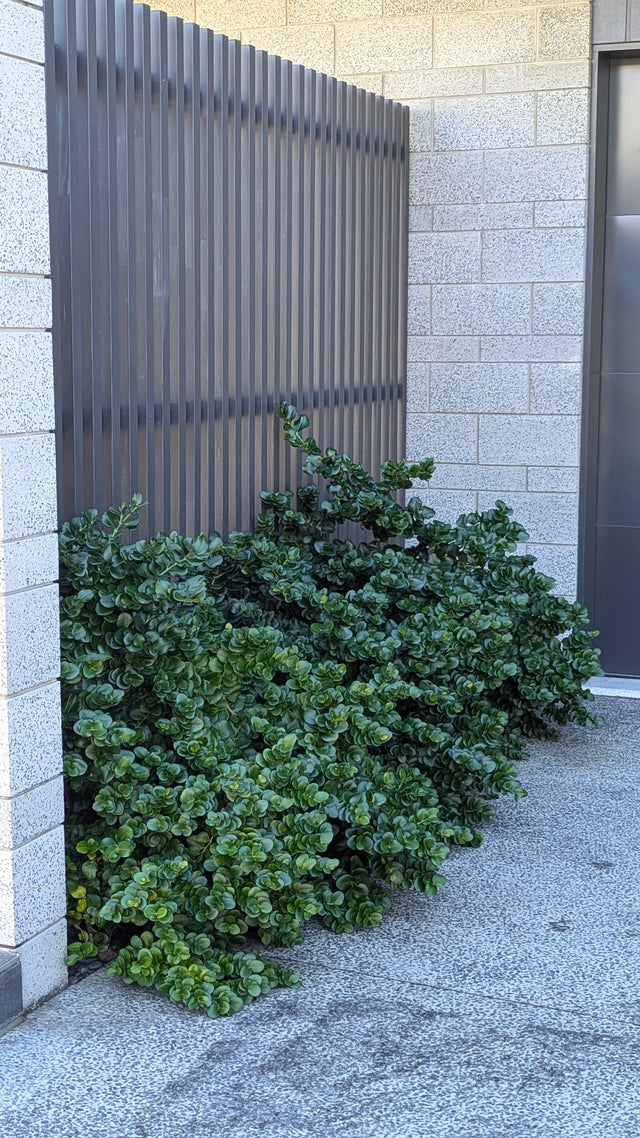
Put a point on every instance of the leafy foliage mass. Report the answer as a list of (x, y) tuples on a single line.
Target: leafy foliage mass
[(285, 724)]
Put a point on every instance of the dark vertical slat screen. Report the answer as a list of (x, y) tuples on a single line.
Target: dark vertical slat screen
[(228, 230)]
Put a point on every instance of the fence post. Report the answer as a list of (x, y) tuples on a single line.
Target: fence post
[(32, 899)]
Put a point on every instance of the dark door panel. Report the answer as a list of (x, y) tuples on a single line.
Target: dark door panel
[(619, 452), (612, 569), (621, 293), (617, 608)]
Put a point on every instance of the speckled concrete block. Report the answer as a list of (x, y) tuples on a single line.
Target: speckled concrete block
[(558, 308), (434, 82), (419, 7), (25, 302), (435, 257), (563, 117), (555, 479), (556, 389), (309, 45), (420, 126), (441, 178), (26, 382), (481, 38), (21, 30), (419, 310), (422, 349), (24, 218), (373, 83), (559, 562), (28, 561), (539, 173), (472, 476), (479, 387), (501, 215), (448, 504), (564, 32), (250, 14), (418, 387), (32, 813), (29, 639), (185, 9), (28, 479), (534, 255), (23, 135), (531, 348), (548, 518), (488, 122), (420, 218), (383, 45), (318, 11), (32, 889), (43, 969), (30, 738), (447, 438), (481, 309), (537, 76), (31, 803), (558, 214), (552, 440)]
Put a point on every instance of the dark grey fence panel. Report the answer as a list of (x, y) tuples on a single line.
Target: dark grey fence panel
[(228, 230)]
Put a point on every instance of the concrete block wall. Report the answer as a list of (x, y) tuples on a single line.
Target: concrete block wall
[(499, 94), (32, 895)]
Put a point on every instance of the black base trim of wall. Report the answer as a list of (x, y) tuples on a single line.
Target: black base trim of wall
[(10, 989)]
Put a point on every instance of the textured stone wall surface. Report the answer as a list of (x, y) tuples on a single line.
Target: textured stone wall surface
[(499, 93), (32, 898)]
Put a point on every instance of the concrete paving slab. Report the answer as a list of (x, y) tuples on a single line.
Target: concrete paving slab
[(348, 1056), (548, 909), (507, 1007), (593, 972)]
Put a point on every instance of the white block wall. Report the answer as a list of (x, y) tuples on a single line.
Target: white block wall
[(32, 897), (499, 92), (497, 267)]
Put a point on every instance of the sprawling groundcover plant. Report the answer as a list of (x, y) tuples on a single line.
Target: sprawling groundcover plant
[(286, 724)]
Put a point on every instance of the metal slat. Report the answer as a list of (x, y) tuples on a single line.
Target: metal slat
[(343, 364), (207, 295), (191, 138), (377, 295), (400, 276), (264, 266), (236, 459), (250, 292), (228, 230)]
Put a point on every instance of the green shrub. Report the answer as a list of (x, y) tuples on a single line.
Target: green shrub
[(283, 725)]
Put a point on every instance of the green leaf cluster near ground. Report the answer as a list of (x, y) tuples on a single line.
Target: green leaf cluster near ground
[(287, 725)]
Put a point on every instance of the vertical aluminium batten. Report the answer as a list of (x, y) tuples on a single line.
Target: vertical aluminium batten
[(228, 230)]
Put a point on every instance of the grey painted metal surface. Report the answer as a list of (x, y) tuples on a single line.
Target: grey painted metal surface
[(616, 21), (10, 989), (229, 230), (613, 406)]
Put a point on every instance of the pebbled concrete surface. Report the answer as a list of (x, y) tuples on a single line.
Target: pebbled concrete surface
[(507, 1007)]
